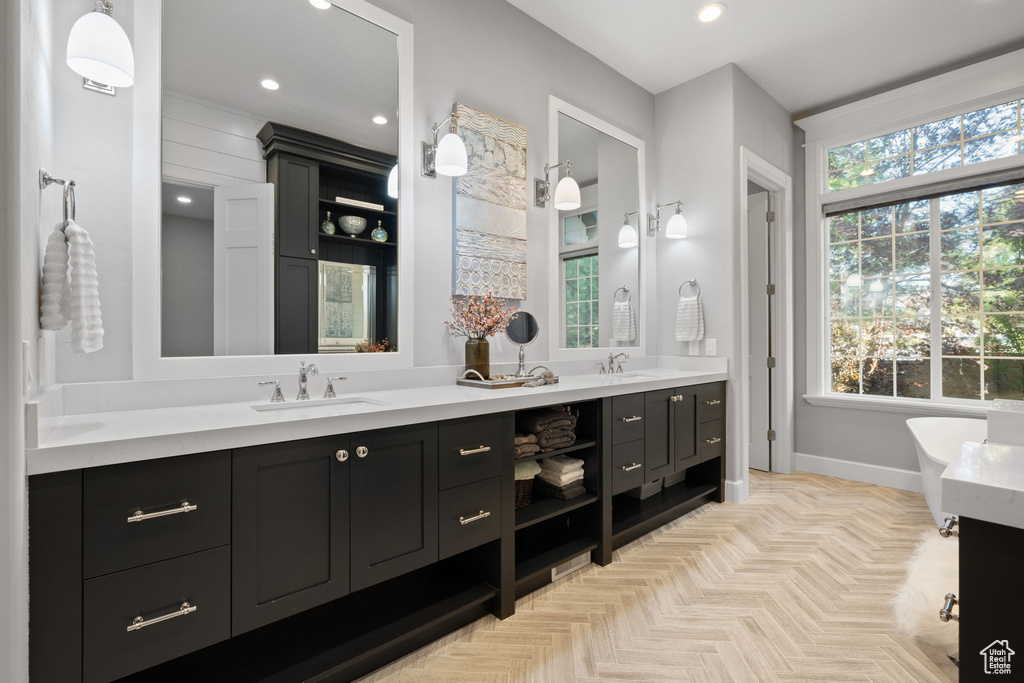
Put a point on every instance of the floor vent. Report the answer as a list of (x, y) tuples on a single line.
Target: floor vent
[(569, 566)]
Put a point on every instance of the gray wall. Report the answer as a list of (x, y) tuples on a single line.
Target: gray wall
[(186, 293), (617, 193)]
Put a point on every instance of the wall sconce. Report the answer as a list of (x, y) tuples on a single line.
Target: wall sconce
[(567, 192), (393, 183), (676, 227), (447, 157), (628, 236), (99, 50)]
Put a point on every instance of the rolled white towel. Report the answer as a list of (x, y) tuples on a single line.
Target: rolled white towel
[(86, 320), (54, 305), (689, 319), (623, 321)]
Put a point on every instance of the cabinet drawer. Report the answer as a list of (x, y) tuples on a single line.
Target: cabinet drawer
[(185, 506), (471, 450), (711, 402), (155, 592), (627, 418), (711, 439), (458, 506), (627, 466)]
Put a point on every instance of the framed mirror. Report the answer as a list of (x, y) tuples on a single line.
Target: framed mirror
[(599, 301), (273, 178)]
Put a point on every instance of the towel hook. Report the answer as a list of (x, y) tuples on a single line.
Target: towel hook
[(625, 290), (45, 180), (693, 283)]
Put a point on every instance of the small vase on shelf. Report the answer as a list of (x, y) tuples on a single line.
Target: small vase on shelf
[(379, 234), (327, 227), (478, 356)]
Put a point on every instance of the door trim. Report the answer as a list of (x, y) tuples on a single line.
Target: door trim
[(780, 190)]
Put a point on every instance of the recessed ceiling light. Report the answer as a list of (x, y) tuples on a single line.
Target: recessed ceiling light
[(379, 120), (710, 12), (185, 200), (320, 4), (270, 84)]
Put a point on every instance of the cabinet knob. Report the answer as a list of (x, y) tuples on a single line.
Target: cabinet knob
[(946, 613), (341, 455), (312, 251), (676, 399), (362, 452)]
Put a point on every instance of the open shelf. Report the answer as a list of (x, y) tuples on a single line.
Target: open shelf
[(545, 507), (357, 210), (578, 446), (534, 565), (633, 518), (354, 241)]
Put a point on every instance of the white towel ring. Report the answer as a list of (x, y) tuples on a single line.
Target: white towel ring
[(625, 290), (693, 283)]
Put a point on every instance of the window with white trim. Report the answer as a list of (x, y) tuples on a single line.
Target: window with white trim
[(580, 279)]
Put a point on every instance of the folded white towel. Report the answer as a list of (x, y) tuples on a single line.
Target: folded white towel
[(70, 288), (689, 319), (561, 463), (527, 470), (623, 321), (560, 479)]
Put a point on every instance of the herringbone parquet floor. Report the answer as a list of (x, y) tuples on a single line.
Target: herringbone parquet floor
[(792, 585)]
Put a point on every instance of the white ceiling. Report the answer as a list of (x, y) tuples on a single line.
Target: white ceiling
[(578, 143), (805, 53), (336, 70), (200, 208)]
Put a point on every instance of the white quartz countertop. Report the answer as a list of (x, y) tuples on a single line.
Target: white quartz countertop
[(91, 440), (986, 482)]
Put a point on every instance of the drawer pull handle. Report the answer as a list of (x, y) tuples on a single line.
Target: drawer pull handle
[(341, 455), (474, 451), (712, 402), (631, 467), (362, 452), (677, 398), (712, 441), (140, 516), (475, 518), (138, 623), (635, 418)]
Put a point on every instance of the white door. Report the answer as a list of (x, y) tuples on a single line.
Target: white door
[(243, 269), (760, 350)]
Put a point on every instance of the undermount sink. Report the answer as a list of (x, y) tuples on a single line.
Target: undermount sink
[(636, 375), (336, 405)]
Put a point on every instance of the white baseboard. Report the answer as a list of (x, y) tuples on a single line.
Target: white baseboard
[(736, 491), (892, 477)]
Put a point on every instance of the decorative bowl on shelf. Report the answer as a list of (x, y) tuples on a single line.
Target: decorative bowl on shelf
[(352, 225)]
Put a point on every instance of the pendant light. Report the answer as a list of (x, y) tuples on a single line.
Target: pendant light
[(393, 183), (567, 192), (447, 157), (99, 49), (628, 236)]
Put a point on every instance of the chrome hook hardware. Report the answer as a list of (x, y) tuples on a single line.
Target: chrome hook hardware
[(140, 516), (947, 529), (138, 623), (946, 613), (341, 455), (362, 452), (329, 391), (278, 397), (477, 517)]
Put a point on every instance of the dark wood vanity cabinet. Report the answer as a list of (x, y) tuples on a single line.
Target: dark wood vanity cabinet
[(669, 436), (295, 308), (295, 180)]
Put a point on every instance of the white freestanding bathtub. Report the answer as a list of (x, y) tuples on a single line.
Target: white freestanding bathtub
[(938, 440)]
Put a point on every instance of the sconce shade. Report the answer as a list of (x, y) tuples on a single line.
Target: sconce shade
[(567, 194), (853, 280), (628, 236), (676, 228), (99, 49), (450, 158), (393, 183)]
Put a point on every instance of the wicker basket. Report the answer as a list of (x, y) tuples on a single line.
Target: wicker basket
[(524, 492)]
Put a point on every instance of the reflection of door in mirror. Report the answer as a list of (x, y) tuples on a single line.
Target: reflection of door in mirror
[(593, 266), (265, 143)]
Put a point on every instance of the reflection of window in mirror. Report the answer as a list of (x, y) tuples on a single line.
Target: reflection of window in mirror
[(579, 245)]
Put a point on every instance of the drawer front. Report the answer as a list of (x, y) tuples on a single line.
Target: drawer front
[(167, 527), (627, 418), (471, 450), (627, 466), (462, 523), (113, 602), (711, 439), (711, 402)]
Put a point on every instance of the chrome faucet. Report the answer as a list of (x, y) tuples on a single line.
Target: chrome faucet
[(304, 371), (611, 361), (329, 391)]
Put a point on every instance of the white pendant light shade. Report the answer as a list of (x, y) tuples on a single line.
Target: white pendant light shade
[(567, 194), (393, 183), (99, 49), (676, 228), (450, 158), (628, 237), (853, 280)]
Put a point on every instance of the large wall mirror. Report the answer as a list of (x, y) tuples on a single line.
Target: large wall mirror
[(283, 199), (600, 286)]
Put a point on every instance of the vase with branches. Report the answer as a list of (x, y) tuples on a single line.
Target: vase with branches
[(477, 318)]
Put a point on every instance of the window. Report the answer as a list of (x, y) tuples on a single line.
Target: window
[(982, 135), (580, 280), (926, 298)]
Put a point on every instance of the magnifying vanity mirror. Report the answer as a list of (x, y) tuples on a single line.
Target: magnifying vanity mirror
[(522, 330)]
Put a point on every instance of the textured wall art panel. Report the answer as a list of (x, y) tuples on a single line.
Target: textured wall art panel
[(490, 208)]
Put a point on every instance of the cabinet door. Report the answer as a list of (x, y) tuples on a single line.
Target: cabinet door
[(290, 529), (296, 306), (659, 409), (297, 184), (394, 503), (684, 429)]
